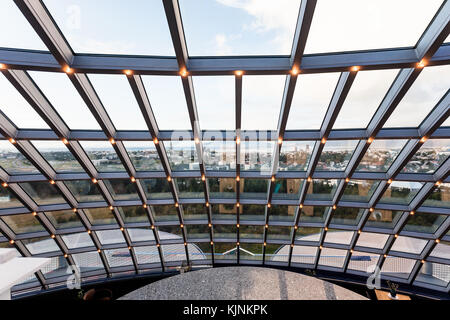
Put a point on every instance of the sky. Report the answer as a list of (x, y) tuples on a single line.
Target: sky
[(227, 27)]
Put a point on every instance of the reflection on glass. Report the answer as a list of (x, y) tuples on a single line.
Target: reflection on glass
[(147, 254), (63, 219), (23, 223), (223, 231), (122, 189), (362, 261), (347, 216), (275, 252), (182, 155), (144, 156), (77, 240), (440, 197), (14, 162), (295, 155), (199, 250), (434, 273), (359, 190), (141, 234), (251, 232), (313, 214), (372, 240), (133, 214), (338, 236), (57, 267), (190, 187), (257, 156), (42, 192), (429, 157), (332, 257), (383, 218), (252, 212), (199, 231), (118, 257), (281, 213), (442, 250), (88, 261), (8, 200), (380, 155), (279, 233), (84, 190), (225, 251), (424, 222), (157, 188), (401, 192), (224, 212), (173, 252), (110, 236), (222, 188), (219, 155), (253, 188), (194, 211), (287, 189), (40, 245), (170, 232), (409, 245), (304, 254), (165, 213), (336, 154), (308, 234), (321, 189), (251, 251), (102, 155), (100, 216), (58, 156)]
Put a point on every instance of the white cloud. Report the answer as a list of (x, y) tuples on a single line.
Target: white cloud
[(221, 45)]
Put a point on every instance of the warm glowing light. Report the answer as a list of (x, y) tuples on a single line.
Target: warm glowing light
[(437, 240), (385, 255), (239, 73), (238, 140), (292, 245), (2, 66), (370, 140), (438, 183), (334, 207), (423, 139), (212, 242), (112, 141), (351, 250), (280, 140), (184, 73), (295, 227), (209, 225), (89, 231), (133, 179), (273, 179), (237, 226), (94, 180), (185, 244), (99, 250), (265, 244), (65, 141), (320, 247), (52, 181), (267, 226), (396, 236), (355, 68), (422, 261), (359, 231), (153, 227), (237, 243), (144, 205), (53, 236), (11, 241), (237, 204), (4, 184), (111, 208), (326, 228), (309, 179), (237, 178), (128, 72), (121, 229), (181, 225), (323, 140), (129, 248), (74, 209), (207, 204), (371, 209), (268, 205), (389, 181), (65, 255), (169, 178), (295, 71), (203, 177), (158, 245), (34, 214), (301, 205), (176, 204), (197, 140), (422, 63), (68, 70), (155, 140), (347, 179), (12, 140), (412, 213)]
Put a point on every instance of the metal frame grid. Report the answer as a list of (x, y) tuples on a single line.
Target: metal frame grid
[(61, 58)]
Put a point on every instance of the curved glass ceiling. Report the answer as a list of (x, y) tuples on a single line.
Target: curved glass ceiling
[(226, 132)]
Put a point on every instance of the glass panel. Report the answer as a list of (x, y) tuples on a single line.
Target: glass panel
[(440, 197), (279, 233), (64, 97), (308, 234), (77, 240), (88, 261), (215, 100), (275, 252), (122, 189), (429, 157), (173, 252), (336, 154), (401, 192), (118, 257), (287, 189), (133, 214), (374, 25), (219, 155), (167, 98), (182, 155), (190, 187), (224, 212), (421, 98), (257, 156), (424, 222), (58, 156), (359, 190), (321, 189), (63, 219), (42, 192), (143, 155), (409, 245), (222, 188), (252, 212), (8, 200), (40, 245), (110, 236), (251, 232), (141, 234), (147, 254), (194, 212), (383, 218), (253, 188), (102, 155), (89, 28), (313, 214), (332, 257), (157, 188), (222, 231), (295, 155), (57, 267), (100, 216), (364, 97), (251, 251), (347, 216), (115, 92), (224, 250), (197, 232), (311, 99), (84, 190), (239, 28), (442, 250), (282, 213), (170, 232), (434, 273), (199, 250), (23, 223), (261, 101), (372, 240), (380, 155), (363, 261), (397, 267), (304, 254), (14, 162), (165, 213), (338, 236)]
